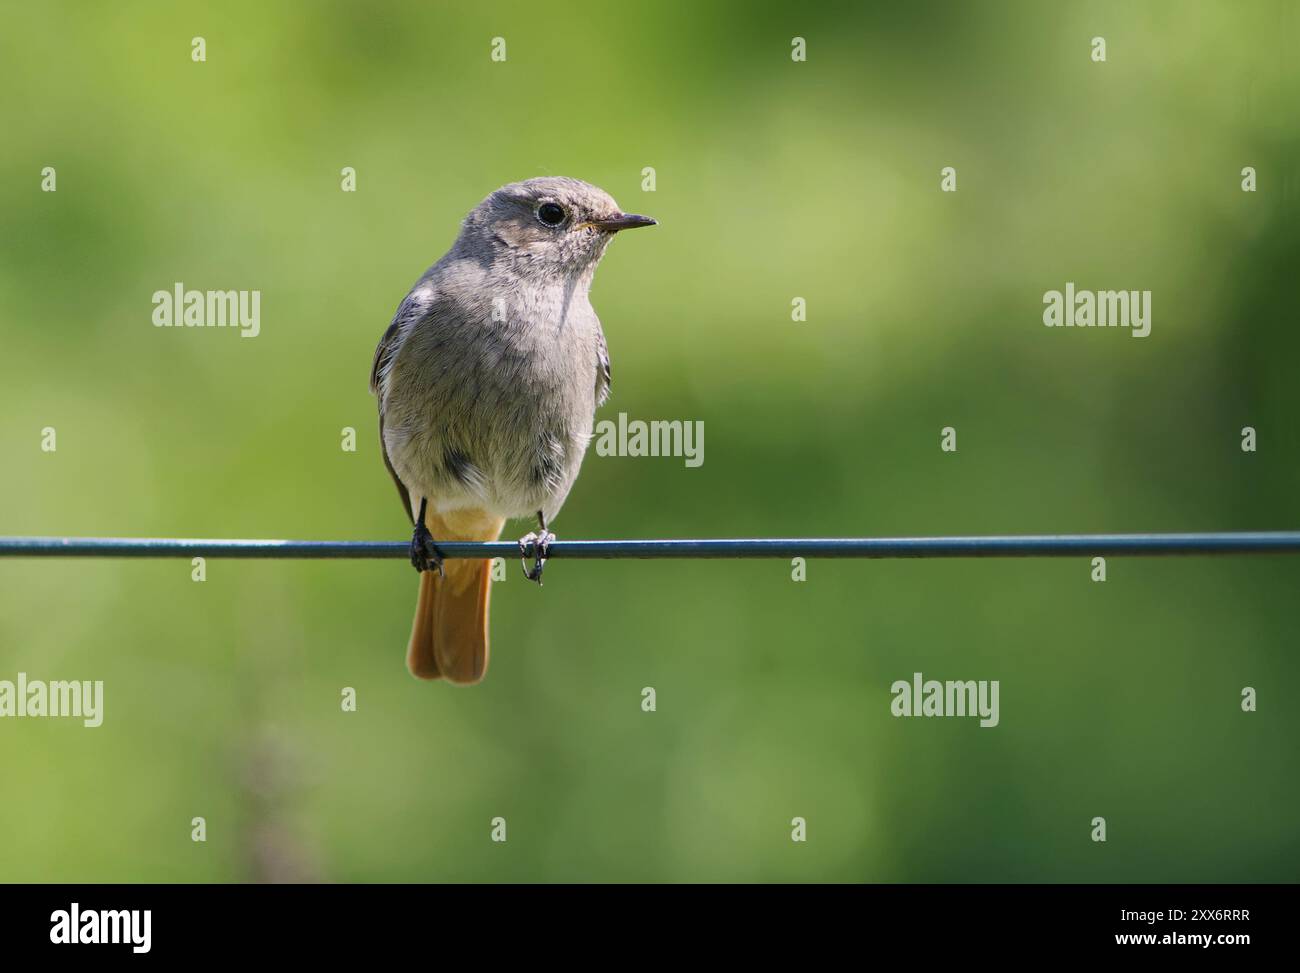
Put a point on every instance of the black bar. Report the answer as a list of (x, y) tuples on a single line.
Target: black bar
[(331, 922)]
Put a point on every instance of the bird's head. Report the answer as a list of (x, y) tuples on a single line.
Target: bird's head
[(549, 225)]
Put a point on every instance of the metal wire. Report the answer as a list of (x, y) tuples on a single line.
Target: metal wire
[(1043, 545)]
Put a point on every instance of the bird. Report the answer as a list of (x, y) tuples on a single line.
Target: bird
[(488, 379)]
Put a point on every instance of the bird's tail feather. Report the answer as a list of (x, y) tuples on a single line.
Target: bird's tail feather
[(449, 637)]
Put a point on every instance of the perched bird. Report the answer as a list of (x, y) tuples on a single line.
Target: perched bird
[(488, 379)]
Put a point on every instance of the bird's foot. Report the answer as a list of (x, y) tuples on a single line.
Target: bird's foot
[(536, 545), (425, 555)]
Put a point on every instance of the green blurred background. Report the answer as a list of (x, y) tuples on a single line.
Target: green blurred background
[(775, 180)]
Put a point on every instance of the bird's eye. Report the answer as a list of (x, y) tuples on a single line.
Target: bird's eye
[(551, 214)]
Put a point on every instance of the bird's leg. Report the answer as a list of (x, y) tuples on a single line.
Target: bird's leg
[(535, 544), (424, 552)]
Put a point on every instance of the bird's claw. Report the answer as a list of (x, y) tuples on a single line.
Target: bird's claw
[(425, 555), (537, 545)]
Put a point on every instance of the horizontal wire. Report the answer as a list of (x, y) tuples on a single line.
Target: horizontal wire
[(1042, 545)]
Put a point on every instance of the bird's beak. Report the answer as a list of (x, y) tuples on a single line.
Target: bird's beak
[(624, 221)]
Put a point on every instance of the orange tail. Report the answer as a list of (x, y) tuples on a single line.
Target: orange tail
[(449, 637)]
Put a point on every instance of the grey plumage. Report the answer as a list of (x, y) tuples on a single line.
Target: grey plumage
[(489, 375)]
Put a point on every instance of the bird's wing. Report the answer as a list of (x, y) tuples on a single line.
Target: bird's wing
[(604, 377), (408, 312)]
